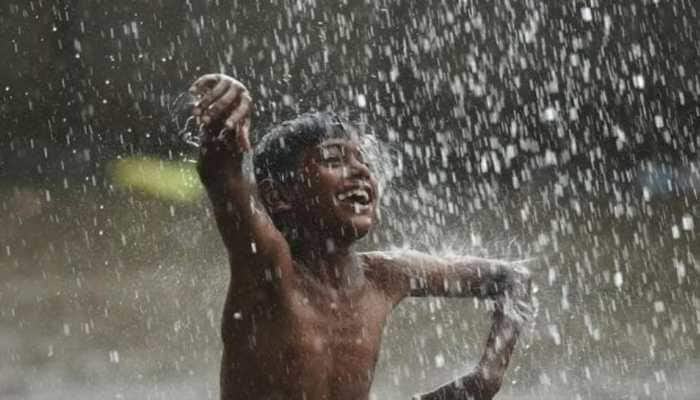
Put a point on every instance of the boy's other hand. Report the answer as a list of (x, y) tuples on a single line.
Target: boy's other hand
[(516, 301), (224, 110)]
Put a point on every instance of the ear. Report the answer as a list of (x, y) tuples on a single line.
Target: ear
[(274, 196)]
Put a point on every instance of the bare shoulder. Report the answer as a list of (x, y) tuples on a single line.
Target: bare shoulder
[(391, 271)]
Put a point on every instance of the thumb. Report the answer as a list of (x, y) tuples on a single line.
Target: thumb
[(243, 135)]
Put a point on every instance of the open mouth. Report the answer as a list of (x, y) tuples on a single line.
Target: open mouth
[(359, 198)]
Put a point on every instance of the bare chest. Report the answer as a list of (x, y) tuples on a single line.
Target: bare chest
[(304, 340), (345, 329), (319, 345)]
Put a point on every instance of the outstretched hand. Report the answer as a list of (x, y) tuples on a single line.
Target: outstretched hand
[(510, 288), (516, 301), (223, 110)]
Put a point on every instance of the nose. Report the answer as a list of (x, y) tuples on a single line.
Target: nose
[(358, 169)]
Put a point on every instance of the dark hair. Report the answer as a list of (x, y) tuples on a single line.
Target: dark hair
[(277, 154)]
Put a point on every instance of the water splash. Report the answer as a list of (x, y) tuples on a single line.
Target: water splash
[(186, 124)]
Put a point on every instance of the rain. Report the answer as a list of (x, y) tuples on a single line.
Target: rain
[(561, 133)]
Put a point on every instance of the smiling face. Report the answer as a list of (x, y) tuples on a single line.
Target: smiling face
[(338, 193)]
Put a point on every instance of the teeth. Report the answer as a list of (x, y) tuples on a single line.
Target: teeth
[(355, 192)]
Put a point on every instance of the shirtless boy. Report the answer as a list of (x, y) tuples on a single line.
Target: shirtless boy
[(304, 313)]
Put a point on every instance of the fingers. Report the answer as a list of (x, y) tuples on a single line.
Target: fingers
[(243, 138), (220, 104), (224, 103), (239, 122), (218, 92), (204, 83), (240, 112), (203, 107)]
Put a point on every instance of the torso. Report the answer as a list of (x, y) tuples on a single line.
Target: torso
[(303, 340)]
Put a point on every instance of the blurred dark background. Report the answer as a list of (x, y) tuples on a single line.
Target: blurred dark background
[(562, 131)]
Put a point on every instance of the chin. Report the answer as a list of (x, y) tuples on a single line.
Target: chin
[(354, 223), (360, 226)]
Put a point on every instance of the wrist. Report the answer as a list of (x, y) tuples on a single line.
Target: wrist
[(217, 162)]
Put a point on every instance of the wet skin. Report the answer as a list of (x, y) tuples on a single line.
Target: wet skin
[(304, 315), (303, 339)]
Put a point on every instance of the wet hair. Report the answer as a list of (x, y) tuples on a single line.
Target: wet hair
[(277, 155)]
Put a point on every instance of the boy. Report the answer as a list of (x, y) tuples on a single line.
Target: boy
[(304, 312)]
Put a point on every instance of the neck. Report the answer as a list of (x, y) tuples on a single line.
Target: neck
[(327, 261)]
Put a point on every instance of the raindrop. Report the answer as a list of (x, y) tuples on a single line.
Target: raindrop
[(439, 360), (617, 279), (550, 114), (586, 14), (680, 269), (687, 222), (638, 81), (675, 232), (659, 306), (659, 121), (361, 101), (553, 331)]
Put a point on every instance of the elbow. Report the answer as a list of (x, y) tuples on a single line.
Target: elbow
[(482, 385), (490, 386)]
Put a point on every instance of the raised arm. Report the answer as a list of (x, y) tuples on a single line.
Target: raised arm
[(410, 273), (224, 111)]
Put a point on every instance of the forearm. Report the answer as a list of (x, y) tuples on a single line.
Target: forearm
[(241, 220), (221, 173), (470, 387), (499, 347), (480, 278), (486, 380)]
